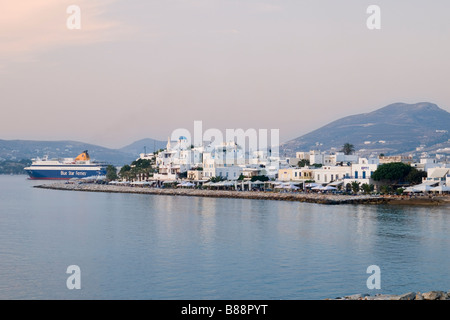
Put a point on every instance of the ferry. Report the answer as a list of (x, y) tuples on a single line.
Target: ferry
[(67, 168)]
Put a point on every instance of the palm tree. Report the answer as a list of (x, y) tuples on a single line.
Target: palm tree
[(348, 148)]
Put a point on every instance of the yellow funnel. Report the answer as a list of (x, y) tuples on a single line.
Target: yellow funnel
[(83, 156)]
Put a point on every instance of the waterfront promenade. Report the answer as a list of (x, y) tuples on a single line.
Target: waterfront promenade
[(321, 198)]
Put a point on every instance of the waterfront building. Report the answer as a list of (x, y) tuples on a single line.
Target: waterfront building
[(362, 171), (327, 174), (391, 159), (195, 175), (439, 174), (296, 174)]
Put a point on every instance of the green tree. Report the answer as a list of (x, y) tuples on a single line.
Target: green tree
[(125, 172), (260, 178), (217, 179), (348, 148), (303, 163), (111, 173), (241, 177), (393, 173), (386, 189), (415, 176), (355, 186), (367, 188)]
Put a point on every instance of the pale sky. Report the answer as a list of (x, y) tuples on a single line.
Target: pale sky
[(142, 68)]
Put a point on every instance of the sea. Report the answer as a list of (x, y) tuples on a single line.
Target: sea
[(155, 247)]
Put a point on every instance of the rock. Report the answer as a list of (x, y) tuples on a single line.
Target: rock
[(407, 296), (356, 296), (384, 297), (419, 296), (445, 296), (433, 295)]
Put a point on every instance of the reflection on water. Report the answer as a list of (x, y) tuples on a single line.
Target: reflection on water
[(164, 247)]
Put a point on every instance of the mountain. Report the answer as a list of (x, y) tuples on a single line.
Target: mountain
[(148, 145), (394, 129), (28, 149)]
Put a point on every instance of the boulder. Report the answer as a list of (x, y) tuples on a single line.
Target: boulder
[(433, 295), (407, 296)]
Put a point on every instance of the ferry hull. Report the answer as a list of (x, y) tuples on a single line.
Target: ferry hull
[(66, 174)]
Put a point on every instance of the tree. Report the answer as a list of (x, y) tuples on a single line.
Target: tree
[(125, 172), (111, 173), (303, 163), (394, 172), (415, 176), (367, 188), (348, 148), (260, 178), (355, 186), (385, 189), (217, 179)]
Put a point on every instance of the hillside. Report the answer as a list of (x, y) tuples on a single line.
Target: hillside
[(138, 147), (394, 129), (28, 149)]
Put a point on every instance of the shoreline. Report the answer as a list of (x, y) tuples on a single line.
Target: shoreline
[(431, 295), (329, 199)]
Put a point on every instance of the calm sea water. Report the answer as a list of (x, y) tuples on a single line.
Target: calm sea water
[(164, 247)]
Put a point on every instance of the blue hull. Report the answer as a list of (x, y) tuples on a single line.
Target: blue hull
[(65, 174)]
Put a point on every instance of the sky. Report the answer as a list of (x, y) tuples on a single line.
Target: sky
[(143, 68)]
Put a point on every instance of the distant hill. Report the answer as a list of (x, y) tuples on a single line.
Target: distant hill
[(28, 149), (149, 145), (394, 129)]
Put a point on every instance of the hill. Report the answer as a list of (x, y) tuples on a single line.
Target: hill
[(394, 129), (138, 147), (16, 150)]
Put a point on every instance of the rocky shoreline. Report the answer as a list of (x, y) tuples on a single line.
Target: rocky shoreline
[(431, 295), (330, 199)]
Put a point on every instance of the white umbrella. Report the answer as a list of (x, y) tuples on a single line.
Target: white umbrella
[(327, 188), (313, 185), (441, 189), (189, 184), (423, 188), (257, 182)]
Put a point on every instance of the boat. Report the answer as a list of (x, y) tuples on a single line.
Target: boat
[(65, 168)]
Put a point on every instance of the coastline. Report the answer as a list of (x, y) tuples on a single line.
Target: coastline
[(431, 295), (329, 199)]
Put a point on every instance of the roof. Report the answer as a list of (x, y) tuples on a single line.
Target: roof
[(438, 173)]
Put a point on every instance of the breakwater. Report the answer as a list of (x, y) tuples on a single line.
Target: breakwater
[(431, 295), (321, 198), (259, 195)]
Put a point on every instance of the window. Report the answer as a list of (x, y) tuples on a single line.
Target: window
[(356, 174), (364, 174)]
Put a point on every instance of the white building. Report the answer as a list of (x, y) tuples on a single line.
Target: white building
[(179, 157), (327, 174), (362, 171)]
